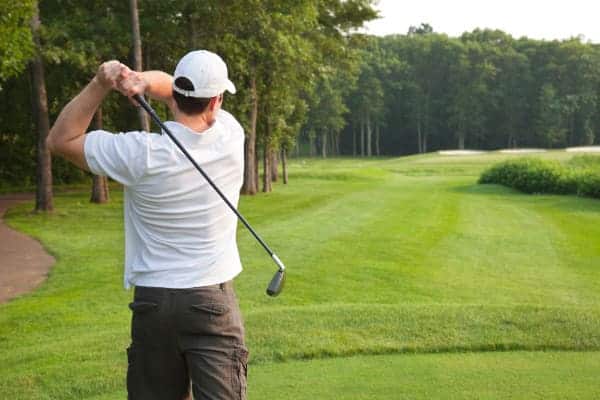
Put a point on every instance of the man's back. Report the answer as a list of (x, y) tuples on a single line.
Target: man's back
[(179, 233)]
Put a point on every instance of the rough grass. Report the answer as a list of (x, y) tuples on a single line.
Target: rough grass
[(386, 256)]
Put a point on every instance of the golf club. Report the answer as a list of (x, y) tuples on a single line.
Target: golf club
[(276, 284)]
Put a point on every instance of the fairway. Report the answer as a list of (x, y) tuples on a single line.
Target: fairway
[(519, 375), (390, 263)]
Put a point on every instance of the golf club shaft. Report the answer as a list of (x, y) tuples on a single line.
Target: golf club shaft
[(142, 102)]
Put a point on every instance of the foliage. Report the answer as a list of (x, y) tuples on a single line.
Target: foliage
[(318, 81), (532, 175), (586, 161), (482, 90), (16, 46), (286, 47)]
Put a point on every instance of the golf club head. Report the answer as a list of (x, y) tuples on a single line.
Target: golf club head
[(276, 283)]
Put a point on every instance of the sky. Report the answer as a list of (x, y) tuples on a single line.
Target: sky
[(536, 19)]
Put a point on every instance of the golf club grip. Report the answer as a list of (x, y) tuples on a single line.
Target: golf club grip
[(142, 102)]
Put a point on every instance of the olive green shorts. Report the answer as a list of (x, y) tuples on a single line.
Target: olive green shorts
[(186, 341)]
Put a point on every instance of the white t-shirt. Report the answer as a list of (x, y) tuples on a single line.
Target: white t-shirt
[(178, 232)]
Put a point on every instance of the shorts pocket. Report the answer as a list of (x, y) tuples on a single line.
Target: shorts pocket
[(212, 309), (206, 318), (138, 306), (145, 320)]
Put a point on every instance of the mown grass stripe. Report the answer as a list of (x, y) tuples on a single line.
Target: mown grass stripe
[(347, 329)]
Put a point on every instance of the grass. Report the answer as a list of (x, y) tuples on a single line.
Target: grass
[(522, 375), (393, 265)]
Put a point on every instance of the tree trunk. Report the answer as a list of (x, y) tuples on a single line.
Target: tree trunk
[(99, 183), (377, 139), (362, 137), (256, 172), (369, 135), (266, 169), (284, 166), (461, 141), (324, 144), (250, 185), (353, 140), (137, 56), (419, 135), (311, 144), (43, 198), (274, 166)]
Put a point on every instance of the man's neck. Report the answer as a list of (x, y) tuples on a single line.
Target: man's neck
[(197, 123)]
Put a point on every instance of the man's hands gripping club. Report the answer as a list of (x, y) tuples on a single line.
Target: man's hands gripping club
[(67, 136)]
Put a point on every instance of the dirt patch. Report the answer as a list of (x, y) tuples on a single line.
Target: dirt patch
[(24, 264)]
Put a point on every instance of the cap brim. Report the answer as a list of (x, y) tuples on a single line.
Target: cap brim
[(230, 87)]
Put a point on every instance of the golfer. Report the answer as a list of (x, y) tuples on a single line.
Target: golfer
[(180, 238)]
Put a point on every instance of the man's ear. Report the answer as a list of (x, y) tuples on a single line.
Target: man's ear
[(214, 102)]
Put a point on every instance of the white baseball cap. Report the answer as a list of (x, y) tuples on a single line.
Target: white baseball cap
[(207, 72)]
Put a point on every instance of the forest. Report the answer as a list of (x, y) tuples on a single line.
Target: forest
[(310, 82)]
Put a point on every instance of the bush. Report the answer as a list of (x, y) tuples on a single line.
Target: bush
[(586, 161), (533, 175), (589, 184)]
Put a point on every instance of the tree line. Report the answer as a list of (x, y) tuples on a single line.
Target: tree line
[(308, 82), (425, 91)]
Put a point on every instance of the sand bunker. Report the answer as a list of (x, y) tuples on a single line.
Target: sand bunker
[(584, 149), (459, 152), (521, 151)]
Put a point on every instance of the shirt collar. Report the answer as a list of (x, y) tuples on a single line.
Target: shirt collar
[(189, 137)]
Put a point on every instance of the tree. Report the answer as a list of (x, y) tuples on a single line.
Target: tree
[(549, 124), (44, 197), (422, 29), (137, 56), (470, 78), (326, 115), (99, 183), (16, 42)]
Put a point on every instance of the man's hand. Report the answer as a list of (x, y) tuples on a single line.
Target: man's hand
[(110, 74), (67, 136), (157, 85), (132, 83), (117, 76)]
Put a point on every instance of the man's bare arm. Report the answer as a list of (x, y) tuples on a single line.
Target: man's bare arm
[(67, 136)]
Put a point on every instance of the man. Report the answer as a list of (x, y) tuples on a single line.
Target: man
[(180, 238)]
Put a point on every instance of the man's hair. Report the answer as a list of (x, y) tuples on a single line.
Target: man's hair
[(189, 105)]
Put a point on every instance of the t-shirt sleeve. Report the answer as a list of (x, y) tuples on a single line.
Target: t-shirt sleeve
[(123, 156)]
